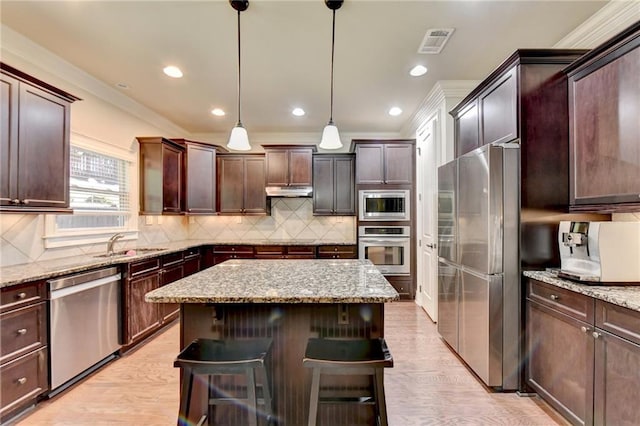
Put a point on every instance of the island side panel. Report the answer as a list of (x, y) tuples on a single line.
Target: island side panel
[(290, 326)]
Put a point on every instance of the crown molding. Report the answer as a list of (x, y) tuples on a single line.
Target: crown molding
[(614, 17), (17, 47)]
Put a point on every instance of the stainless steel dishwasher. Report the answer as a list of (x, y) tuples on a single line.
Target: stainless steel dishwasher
[(84, 324)]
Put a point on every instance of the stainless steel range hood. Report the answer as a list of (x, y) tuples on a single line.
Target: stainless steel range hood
[(289, 191)]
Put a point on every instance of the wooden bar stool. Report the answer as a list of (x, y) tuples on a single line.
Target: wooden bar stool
[(217, 357), (348, 357)]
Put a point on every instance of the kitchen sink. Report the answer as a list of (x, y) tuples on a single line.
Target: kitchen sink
[(131, 252)]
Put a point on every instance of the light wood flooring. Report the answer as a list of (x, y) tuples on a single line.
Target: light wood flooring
[(427, 386)]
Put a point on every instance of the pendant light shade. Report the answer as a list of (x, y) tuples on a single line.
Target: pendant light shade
[(330, 135), (239, 139)]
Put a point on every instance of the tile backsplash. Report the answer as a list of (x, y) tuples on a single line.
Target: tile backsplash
[(291, 219)]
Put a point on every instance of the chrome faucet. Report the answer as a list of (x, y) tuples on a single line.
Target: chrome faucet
[(112, 241)]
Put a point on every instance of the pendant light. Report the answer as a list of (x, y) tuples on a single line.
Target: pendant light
[(239, 140), (330, 136)]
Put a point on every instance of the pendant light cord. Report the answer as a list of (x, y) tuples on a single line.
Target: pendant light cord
[(333, 42), (239, 73)]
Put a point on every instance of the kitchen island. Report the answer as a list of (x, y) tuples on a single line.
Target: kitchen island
[(288, 301)]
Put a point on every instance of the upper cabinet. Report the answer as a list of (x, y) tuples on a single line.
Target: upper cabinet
[(199, 176), (241, 184), (34, 144), (524, 100), (604, 126), (288, 165), (334, 184), (161, 176), (384, 161)]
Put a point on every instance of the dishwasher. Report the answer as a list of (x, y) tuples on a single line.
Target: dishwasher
[(84, 325)]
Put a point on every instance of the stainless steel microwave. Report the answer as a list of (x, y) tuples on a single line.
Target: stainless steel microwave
[(384, 204)]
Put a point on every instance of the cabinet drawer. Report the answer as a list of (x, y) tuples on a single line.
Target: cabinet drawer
[(270, 252), (23, 330), (191, 252), (622, 322), (172, 258), (144, 266), (337, 252), (23, 380), (574, 304), (19, 295), (302, 251), (233, 249)]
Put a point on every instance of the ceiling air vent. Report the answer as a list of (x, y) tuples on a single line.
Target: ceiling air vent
[(434, 41)]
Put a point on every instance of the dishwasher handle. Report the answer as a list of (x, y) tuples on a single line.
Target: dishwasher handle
[(78, 288), (84, 277)]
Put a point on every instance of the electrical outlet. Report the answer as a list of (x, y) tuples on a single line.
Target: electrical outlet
[(159, 220), (192, 220), (343, 314), (238, 219), (148, 220)]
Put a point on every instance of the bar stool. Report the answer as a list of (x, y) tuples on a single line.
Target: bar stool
[(217, 357), (348, 357)]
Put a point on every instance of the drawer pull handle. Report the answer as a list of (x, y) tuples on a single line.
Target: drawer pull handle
[(554, 297), (21, 295), (585, 329), (22, 380), (22, 331), (596, 335)]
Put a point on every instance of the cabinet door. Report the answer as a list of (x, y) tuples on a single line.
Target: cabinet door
[(230, 184), (142, 316), (300, 166), (277, 164), (467, 131), (169, 311), (499, 110), (369, 164), (323, 186), (171, 179), (344, 186), (43, 152), (200, 179), (398, 163), (22, 381), (8, 138), (617, 381), (604, 106), (561, 362), (255, 198)]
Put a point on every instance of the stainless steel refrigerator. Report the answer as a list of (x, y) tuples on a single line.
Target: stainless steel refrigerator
[(479, 266)]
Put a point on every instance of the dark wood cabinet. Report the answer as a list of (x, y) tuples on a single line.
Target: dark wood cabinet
[(288, 165), (140, 319), (222, 253), (34, 144), (241, 184), (334, 251), (467, 128), (334, 184), (23, 347), (384, 161), (192, 261), (199, 176), (499, 106), (285, 252), (584, 355), (604, 129), (161, 176), (172, 270)]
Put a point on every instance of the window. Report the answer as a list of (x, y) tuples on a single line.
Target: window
[(100, 196)]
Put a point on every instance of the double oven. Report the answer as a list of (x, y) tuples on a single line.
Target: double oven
[(384, 236)]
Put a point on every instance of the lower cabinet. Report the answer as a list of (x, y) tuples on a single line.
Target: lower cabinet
[(23, 347), (140, 318), (222, 253), (285, 252), (338, 252), (403, 285), (584, 355)]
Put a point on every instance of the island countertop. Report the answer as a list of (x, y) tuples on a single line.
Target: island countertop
[(281, 281)]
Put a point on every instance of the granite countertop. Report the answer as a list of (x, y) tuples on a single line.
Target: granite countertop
[(18, 274), (280, 281), (626, 296)]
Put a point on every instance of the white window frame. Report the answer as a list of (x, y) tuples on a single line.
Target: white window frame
[(55, 237)]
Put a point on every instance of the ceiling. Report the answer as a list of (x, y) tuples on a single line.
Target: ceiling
[(286, 51)]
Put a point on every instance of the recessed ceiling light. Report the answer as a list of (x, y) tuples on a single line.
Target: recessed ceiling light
[(172, 71), (218, 112), (298, 112), (124, 86), (418, 70), (395, 111)]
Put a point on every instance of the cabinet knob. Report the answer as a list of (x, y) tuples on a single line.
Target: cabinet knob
[(596, 335), (554, 297), (21, 295), (585, 329), (22, 380), (15, 201), (25, 202), (22, 331)]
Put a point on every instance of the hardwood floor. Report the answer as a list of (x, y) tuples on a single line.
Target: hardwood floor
[(427, 386)]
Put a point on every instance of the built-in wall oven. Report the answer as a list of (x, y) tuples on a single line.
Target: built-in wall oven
[(375, 204), (387, 247)]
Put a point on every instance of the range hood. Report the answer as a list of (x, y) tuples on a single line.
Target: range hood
[(289, 191)]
